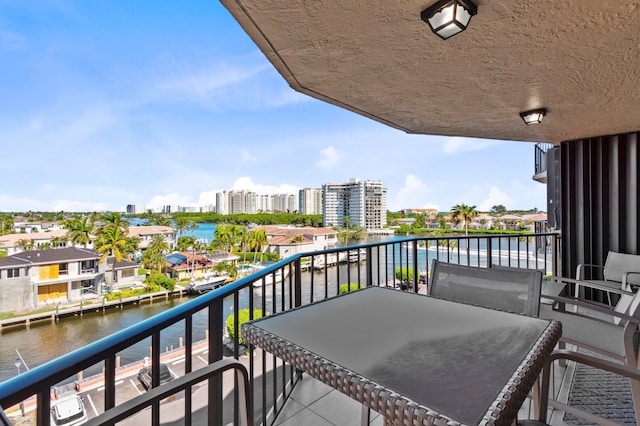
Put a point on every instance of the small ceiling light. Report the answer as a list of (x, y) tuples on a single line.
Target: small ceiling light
[(449, 17), (534, 116)]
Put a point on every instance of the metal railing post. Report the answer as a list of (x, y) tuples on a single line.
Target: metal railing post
[(215, 354), (416, 272), (297, 270), (369, 266)]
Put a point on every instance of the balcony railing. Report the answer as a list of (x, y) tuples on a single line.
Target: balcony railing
[(293, 282), (540, 161)]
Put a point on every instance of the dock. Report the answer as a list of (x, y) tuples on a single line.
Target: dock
[(87, 306)]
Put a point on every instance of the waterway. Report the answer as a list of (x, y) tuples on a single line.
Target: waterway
[(42, 342)]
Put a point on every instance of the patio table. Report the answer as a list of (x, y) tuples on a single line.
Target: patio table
[(414, 359)]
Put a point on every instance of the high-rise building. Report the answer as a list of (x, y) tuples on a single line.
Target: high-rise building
[(358, 202), (236, 202), (284, 203), (135, 208), (310, 201)]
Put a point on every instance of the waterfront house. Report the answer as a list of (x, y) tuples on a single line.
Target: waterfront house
[(122, 273), (290, 240), (16, 243), (44, 277), (186, 265), (146, 234)]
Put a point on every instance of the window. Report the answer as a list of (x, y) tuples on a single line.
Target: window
[(13, 273), (126, 273), (63, 269), (88, 265)]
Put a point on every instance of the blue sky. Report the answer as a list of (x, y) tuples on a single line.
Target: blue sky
[(105, 103)]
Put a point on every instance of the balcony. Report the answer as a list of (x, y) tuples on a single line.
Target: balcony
[(279, 394), (540, 161)]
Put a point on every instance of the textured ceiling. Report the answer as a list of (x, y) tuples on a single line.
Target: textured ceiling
[(580, 59)]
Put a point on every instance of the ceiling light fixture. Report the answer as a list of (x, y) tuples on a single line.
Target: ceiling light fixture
[(534, 116), (449, 17)]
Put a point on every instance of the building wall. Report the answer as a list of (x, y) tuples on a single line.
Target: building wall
[(310, 201), (598, 184), (16, 294), (364, 202)]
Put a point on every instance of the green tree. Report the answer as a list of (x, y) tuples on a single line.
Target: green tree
[(79, 231), (112, 241), (156, 280), (158, 244), (257, 239), (3, 253), (185, 242), (498, 210), (442, 221), (153, 259), (404, 274), (243, 316), (25, 244), (346, 288), (465, 213)]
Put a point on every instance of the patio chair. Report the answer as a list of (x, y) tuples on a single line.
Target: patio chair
[(508, 289), (618, 271), (608, 331), (603, 364)]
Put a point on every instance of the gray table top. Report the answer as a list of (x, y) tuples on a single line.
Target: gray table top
[(453, 358)]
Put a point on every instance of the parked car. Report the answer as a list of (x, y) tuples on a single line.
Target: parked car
[(68, 411), (144, 375)]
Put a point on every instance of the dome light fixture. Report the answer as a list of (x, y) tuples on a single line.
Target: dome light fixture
[(534, 116), (449, 17)]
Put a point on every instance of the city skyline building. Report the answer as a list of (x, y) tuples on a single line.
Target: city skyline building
[(310, 201), (357, 202)]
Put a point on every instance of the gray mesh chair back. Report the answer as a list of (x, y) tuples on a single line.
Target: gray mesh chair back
[(507, 289)]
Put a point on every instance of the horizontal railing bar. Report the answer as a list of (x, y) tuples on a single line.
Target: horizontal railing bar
[(154, 395)]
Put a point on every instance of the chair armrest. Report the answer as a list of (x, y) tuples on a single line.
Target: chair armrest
[(581, 267), (591, 284), (625, 278), (594, 307)]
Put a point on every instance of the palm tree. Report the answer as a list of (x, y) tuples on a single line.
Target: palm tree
[(25, 244), (297, 239), (79, 231), (257, 239), (225, 237), (59, 241), (153, 260), (115, 219), (181, 224), (158, 244), (465, 213), (113, 241), (185, 241)]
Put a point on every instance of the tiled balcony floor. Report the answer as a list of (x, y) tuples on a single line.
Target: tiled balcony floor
[(314, 403)]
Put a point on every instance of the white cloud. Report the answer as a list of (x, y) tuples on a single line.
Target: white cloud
[(245, 182), (207, 198), (247, 157), (329, 157), (412, 194), (456, 145), (494, 197)]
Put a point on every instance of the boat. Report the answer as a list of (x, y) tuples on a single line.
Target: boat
[(269, 278), (207, 283)]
